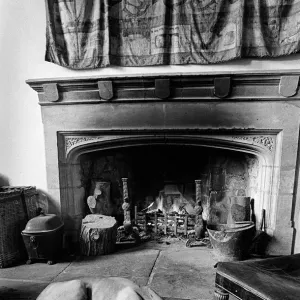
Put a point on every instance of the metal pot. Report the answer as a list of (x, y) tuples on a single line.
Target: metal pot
[(231, 242), (43, 237)]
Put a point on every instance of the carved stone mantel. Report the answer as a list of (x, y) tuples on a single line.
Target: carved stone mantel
[(258, 114)]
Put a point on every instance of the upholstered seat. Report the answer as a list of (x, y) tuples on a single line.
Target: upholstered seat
[(272, 279)]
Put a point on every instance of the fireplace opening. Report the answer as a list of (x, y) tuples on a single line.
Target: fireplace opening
[(161, 179)]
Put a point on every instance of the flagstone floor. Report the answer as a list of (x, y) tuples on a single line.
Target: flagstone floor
[(172, 270)]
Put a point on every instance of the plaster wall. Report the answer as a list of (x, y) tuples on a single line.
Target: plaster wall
[(22, 46)]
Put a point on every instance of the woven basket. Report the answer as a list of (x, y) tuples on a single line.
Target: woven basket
[(29, 195), (17, 206)]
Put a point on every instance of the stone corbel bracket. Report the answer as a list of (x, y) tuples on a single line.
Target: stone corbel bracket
[(106, 91), (222, 87), (162, 88), (51, 92), (288, 86)]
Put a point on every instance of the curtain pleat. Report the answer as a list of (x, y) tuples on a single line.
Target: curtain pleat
[(86, 34)]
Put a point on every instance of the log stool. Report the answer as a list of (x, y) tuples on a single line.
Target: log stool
[(98, 235)]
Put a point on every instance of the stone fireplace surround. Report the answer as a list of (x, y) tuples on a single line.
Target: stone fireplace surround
[(255, 113)]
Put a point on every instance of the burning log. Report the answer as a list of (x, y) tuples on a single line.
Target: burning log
[(170, 200)]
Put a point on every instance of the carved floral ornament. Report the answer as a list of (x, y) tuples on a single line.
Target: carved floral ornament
[(268, 142), (265, 141), (72, 142)]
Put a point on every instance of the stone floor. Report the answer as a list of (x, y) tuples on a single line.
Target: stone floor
[(169, 268)]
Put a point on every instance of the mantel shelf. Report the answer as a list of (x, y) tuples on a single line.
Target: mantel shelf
[(250, 86)]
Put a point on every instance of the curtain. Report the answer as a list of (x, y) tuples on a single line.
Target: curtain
[(86, 34)]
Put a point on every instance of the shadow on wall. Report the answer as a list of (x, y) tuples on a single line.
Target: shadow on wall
[(4, 181), (44, 200), (47, 203)]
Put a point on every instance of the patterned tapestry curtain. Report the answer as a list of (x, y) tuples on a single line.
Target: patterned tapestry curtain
[(85, 34)]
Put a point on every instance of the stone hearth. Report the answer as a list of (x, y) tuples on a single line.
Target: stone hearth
[(249, 115)]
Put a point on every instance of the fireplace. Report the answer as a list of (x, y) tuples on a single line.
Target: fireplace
[(160, 168), (237, 133)]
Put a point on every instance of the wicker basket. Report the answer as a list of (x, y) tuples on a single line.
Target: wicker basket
[(29, 196), (17, 206)]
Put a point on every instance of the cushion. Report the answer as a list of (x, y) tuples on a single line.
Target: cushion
[(68, 290), (111, 288), (115, 289)]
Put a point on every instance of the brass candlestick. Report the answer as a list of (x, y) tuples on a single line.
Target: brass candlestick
[(199, 228), (125, 188), (198, 190), (127, 234)]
